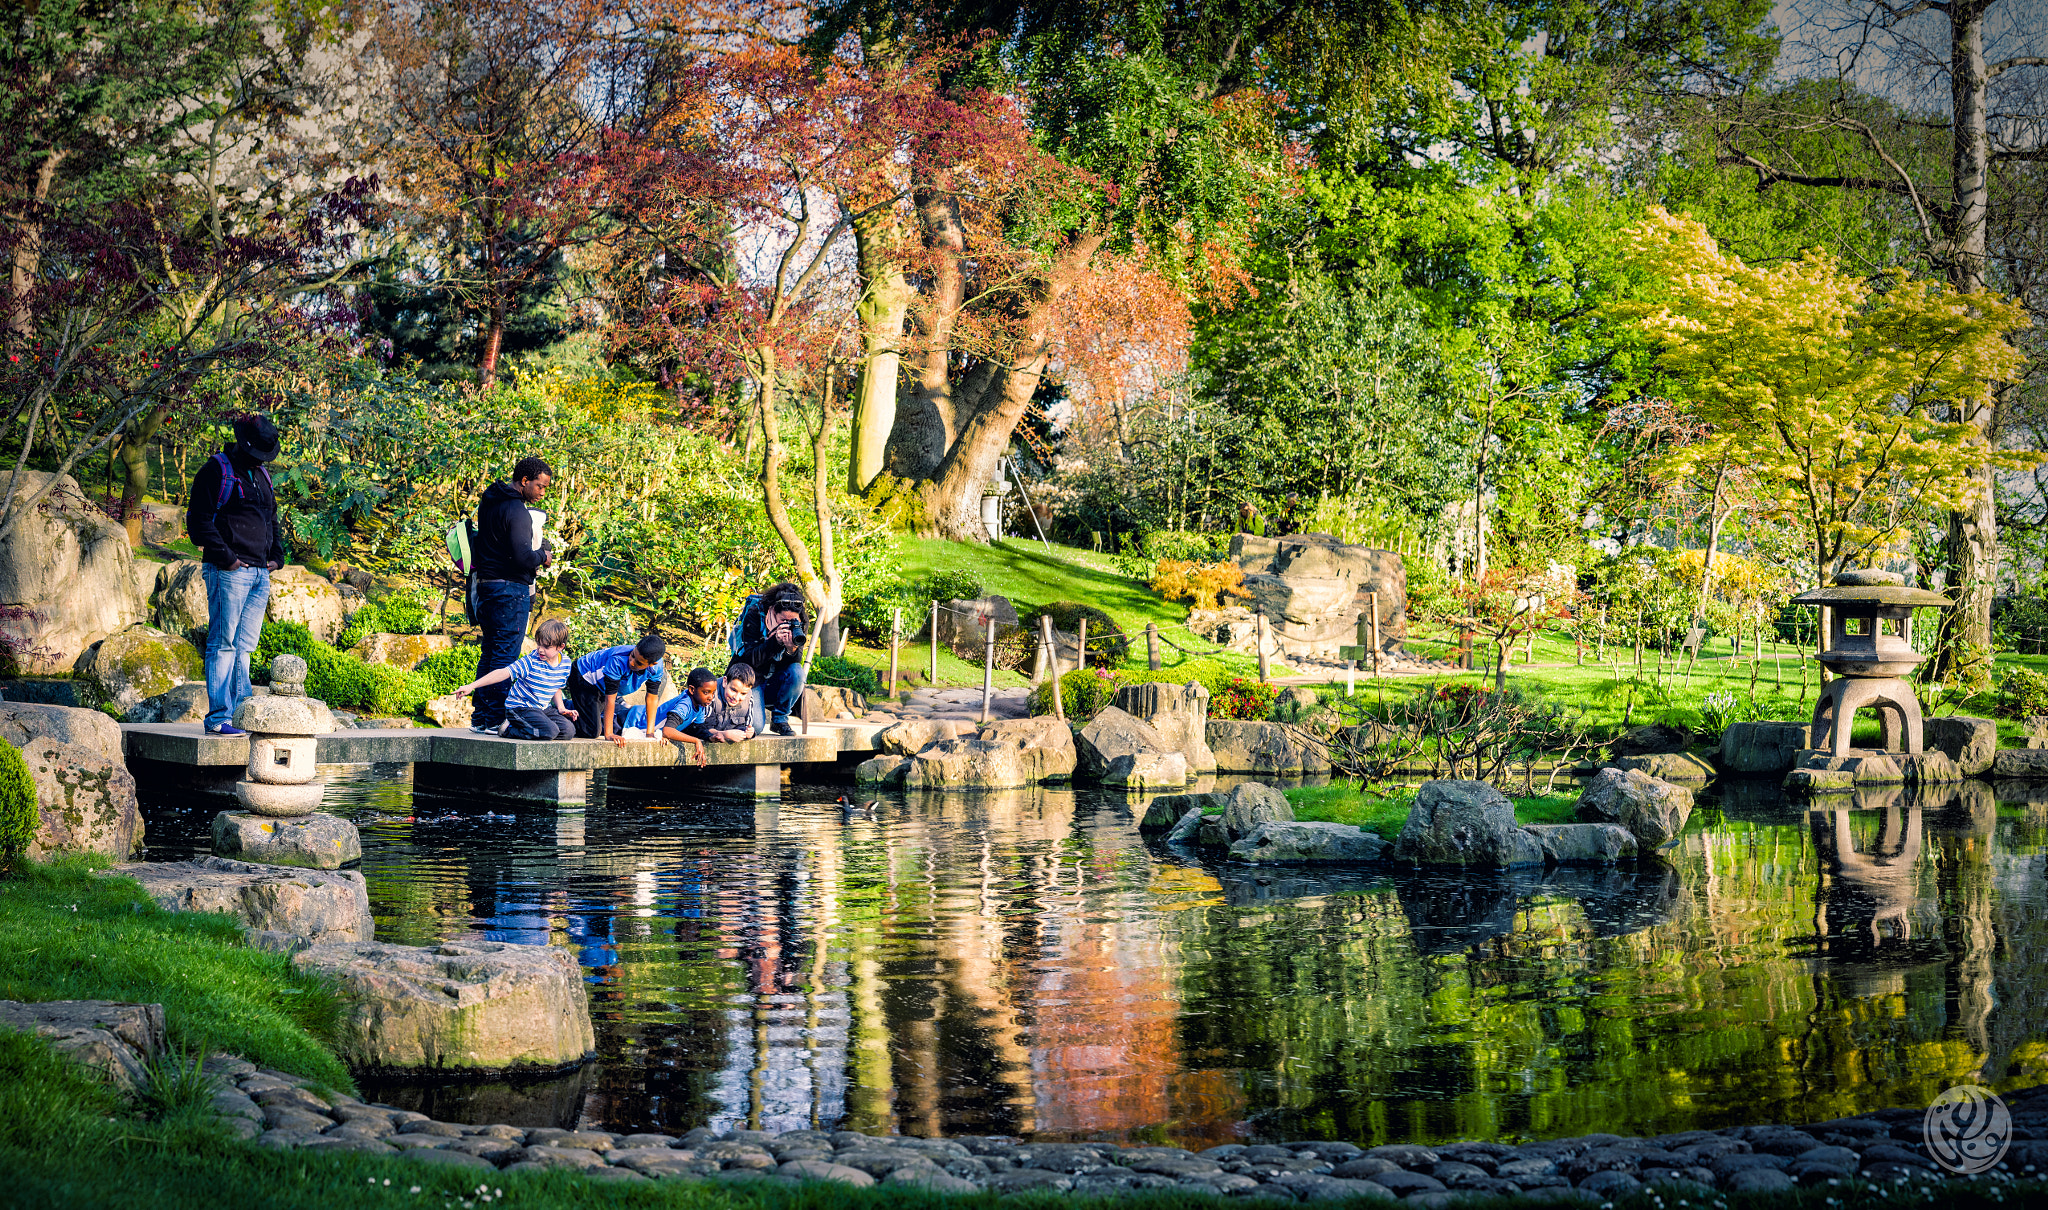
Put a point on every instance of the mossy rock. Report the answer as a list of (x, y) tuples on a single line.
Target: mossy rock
[(133, 665)]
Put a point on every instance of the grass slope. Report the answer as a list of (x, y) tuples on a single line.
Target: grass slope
[(69, 934)]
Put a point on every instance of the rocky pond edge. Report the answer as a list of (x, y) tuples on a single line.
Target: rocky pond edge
[(1885, 1147)]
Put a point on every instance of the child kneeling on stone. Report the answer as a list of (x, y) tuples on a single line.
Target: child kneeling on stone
[(533, 706), (680, 724), (732, 714)]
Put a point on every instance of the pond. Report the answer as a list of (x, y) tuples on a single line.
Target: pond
[(1027, 963)]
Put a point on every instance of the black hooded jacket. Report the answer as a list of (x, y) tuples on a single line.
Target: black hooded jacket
[(503, 549), (243, 527)]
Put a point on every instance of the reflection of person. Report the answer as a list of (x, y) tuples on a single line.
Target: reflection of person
[(770, 640), (533, 705), (603, 677), (232, 517), (505, 557)]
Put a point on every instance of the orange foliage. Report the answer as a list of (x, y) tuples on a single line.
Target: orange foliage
[(1200, 584)]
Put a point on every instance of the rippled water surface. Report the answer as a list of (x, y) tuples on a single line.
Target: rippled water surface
[(1026, 963)]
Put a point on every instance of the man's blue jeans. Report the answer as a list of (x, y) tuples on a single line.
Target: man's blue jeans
[(779, 690), (501, 610), (235, 603)]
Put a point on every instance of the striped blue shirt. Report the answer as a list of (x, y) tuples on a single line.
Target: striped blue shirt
[(535, 682)]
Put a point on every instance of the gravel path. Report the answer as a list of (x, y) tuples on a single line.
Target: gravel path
[(1885, 1147)]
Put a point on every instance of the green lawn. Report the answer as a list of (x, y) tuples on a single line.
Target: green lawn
[(1022, 571), (69, 934)]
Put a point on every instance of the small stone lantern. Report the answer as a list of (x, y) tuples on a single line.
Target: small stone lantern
[(1870, 650), (280, 790)]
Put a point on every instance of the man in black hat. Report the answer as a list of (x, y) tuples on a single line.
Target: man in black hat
[(232, 517)]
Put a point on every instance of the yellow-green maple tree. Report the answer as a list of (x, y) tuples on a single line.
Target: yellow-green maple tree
[(1824, 385)]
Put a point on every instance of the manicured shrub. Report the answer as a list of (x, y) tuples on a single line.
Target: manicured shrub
[(447, 671), (1083, 692), (18, 814), (1202, 585), (832, 670), (340, 679), (394, 614)]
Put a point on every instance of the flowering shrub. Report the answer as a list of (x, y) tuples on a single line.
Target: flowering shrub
[(1240, 698)]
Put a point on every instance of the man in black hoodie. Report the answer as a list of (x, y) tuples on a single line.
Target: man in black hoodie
[(232, 517), (505, 556)]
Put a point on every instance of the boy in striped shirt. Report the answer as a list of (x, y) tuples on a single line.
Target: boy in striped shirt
[(533, 706)]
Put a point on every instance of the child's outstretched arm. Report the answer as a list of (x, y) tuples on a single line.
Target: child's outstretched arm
[(488, 678), (692, 742), (562, 707)]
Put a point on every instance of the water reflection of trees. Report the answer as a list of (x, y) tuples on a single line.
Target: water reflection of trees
[(1023, 963)]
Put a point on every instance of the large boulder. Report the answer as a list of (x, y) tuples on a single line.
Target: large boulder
[(1247, 806), (1668, 766), (1179, 713), (1168, 809), (962, 625), (178, 602), (1970, 742), (453, 710), (136, 663), (1762, 747), (67, 580), (1465, 823), (476, 1006), (297, 595), (186, 703), (1584, 843), (970, 764), (1285, 842), (1273, 749), (21, 722), (1312, 589), (914, 735), (321, 908), (1147, 771), (834, 702), (162, 523), (406, 651), (881, 771), (1113, 733), (1047, 745), (1654, 811), (315, 842), (86, 800), (114, 1039)]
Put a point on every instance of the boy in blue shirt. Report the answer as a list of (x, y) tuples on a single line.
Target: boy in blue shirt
[(686, 716), (601, 678)]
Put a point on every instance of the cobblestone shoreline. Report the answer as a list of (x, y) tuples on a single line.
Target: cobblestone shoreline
[(278, 1110)]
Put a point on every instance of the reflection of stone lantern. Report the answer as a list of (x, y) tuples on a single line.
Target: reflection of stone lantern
[(1870, 651), (280, 791)]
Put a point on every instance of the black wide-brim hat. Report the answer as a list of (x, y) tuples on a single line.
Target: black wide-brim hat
[(257, 437)]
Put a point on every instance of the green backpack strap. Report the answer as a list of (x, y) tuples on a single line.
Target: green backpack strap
[(458, 539)]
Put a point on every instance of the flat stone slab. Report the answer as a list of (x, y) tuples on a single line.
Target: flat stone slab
[(1286, 842), (188, 744), (316, 842), (1666, 766), (471, 1007), (108, 1036), (2025, 764), (1584, 843), (317, 906)]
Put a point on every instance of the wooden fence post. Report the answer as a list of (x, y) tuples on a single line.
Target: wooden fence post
[(1259, 643), (895, 630), (1050, 648), (1081, 646), (1152, 646), (988, 667), (933, 679)]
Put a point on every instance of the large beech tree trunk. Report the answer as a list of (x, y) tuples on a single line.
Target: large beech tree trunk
[(883, 309), (958, 421)]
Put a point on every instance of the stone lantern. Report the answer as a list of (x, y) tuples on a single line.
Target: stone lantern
[(280, 792), (1869, 648)]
